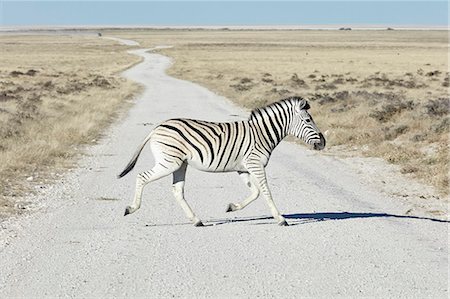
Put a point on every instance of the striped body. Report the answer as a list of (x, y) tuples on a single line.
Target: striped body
[(243, 146), (207, 146)]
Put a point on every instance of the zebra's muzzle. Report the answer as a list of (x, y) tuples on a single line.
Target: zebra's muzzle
[(320, 145)]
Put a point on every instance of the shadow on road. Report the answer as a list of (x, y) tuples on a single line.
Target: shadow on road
[(302, 218), (323, 216), (349, 215)]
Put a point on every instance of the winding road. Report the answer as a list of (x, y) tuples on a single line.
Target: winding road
[(346, 238)]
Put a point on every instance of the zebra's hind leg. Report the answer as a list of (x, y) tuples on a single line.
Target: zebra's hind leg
[(158, 171), (245, 176), (178, 192)]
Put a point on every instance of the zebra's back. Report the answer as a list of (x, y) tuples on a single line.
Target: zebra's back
[(207, 146)]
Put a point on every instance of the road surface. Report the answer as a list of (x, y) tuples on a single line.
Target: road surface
[(346, 238)]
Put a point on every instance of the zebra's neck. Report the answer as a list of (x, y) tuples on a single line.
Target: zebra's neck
[(271, 125)]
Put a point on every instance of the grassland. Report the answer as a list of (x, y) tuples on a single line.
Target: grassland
[(375, 93), (57, 92)]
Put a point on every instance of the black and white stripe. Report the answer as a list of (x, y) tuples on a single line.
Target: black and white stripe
[(244, 147)]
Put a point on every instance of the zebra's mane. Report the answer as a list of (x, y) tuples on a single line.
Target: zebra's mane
[(289, 101)]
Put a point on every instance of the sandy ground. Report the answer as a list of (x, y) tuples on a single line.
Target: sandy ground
[(347, 237)]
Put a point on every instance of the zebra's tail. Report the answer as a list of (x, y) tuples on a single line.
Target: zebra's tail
[(133, 160)]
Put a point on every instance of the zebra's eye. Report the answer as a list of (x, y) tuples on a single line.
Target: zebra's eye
[(308, 120)]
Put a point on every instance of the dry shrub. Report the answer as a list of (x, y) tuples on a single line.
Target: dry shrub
[(445, 83), (326, 98), (442, 127), (433, 73), (59, 97), (393, 132), (282, 92), (326, 86), (387, 111), (409, 169), (297, 82), (439, 107), (386, 82), (339, 81), (267, 80)]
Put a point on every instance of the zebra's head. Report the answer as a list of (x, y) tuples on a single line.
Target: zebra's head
[(303, 126)]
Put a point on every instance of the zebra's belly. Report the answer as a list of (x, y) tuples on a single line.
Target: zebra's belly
[(231, 167)]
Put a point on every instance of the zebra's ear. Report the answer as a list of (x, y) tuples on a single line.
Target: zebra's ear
[(303, 105), (306, 107)]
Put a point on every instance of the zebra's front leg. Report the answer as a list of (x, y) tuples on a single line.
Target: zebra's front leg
[(178, 192), (258, 174), (245, 176)]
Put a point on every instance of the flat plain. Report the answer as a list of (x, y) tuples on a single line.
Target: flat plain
[(375, 93)]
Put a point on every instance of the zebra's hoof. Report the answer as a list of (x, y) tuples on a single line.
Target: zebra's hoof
[(198, 223), (283, 223), (127, 211), (231, 208)]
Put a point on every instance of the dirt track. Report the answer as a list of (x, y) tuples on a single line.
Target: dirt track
[(346, 238)]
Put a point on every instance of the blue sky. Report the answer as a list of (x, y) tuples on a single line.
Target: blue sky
[(222, 12)]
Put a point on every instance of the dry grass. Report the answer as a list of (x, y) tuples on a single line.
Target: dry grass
[(57, 93), (384, 93)]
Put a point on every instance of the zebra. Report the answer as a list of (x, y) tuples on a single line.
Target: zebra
[(242, 146)]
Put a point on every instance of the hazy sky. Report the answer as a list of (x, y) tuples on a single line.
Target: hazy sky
[(222, 12)]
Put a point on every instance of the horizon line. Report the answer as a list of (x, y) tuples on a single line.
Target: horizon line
[(229, 27)]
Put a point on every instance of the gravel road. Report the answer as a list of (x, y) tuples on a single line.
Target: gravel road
[(346, 237)]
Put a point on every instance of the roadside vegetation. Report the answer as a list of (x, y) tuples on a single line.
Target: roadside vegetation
[(376, 93), (57, 93)]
